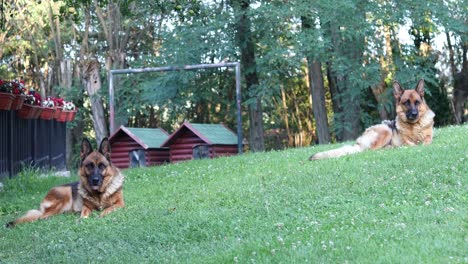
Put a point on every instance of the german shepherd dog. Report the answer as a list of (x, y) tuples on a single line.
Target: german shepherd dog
[(99, 188), (413, 125)]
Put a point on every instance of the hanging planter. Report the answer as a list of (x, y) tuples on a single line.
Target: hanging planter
[(15, 91), (6, 99), (48, 113), (31, 108), (71, 115), (62, 116), (17, 102), (58, 112), (70, 109), (28, 111)]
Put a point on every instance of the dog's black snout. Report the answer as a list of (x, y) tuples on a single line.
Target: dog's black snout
[(95, 180), (412, 114)]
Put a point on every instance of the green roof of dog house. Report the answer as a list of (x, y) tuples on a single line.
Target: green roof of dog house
[(145, 137), (215, 134)]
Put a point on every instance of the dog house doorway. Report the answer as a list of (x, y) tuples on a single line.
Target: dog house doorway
[(137, 158), (201, 152)]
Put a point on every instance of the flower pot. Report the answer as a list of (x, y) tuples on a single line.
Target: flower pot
[(71, 115), (6, 99), (61, 116), (18, 102), (47, 113), (58, 112), (28, 111)]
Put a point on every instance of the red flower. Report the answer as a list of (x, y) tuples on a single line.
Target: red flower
[(57, 101), (37, 99)]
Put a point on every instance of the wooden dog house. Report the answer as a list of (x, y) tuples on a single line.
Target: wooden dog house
[(134, 147), (197, 141)]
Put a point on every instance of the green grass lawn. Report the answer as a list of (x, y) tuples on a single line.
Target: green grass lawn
[(405, 205)]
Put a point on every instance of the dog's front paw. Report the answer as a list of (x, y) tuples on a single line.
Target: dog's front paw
[(85, 212), (107, 211)]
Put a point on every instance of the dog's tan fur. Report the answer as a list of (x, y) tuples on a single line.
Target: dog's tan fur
[(404, 131), (81, 196)]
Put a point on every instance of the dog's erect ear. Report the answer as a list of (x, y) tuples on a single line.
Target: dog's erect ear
[(104, 148), (420, 88), (86, 148), (397, 91)]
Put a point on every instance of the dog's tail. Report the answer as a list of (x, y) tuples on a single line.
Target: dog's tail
[(30, 216), (335, 153)]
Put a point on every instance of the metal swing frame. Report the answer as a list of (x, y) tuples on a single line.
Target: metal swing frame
[(235, 65)]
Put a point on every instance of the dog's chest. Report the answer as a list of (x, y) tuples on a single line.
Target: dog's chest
[(409, 133), (414, 134), (100, 203)]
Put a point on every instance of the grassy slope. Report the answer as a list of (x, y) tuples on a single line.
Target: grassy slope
[(399, 205)]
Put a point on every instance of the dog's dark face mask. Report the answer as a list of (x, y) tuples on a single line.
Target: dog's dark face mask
[(410, 103), (412, 109), (95, 175), (94, 165)]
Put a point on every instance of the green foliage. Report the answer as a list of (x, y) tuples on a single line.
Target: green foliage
[(396, 205), (439, 103), (347, 37)]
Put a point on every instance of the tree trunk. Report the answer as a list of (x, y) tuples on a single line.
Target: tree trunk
[(285, 115), (387, 66), (117, 34), (55, 31), (465, 58), (256, 137), (317, 90), (247, 48), (352, 113), (379, 92), (92, 82), (66, 79), (349, 49), (336, 101), (66, 73), (453, 68)]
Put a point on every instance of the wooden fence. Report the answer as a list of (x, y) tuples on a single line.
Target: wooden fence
[(30, 142)]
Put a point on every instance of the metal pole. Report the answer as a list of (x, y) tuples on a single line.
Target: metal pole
[(239, 111), (111, 103), (175, 68)]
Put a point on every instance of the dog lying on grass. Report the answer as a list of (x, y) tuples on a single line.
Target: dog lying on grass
[(413, 125), (99, 188)]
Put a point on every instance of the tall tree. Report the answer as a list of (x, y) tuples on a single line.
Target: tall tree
[(92, 83), (317, 90), (116, 36), (345, 28), (247, 48)]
